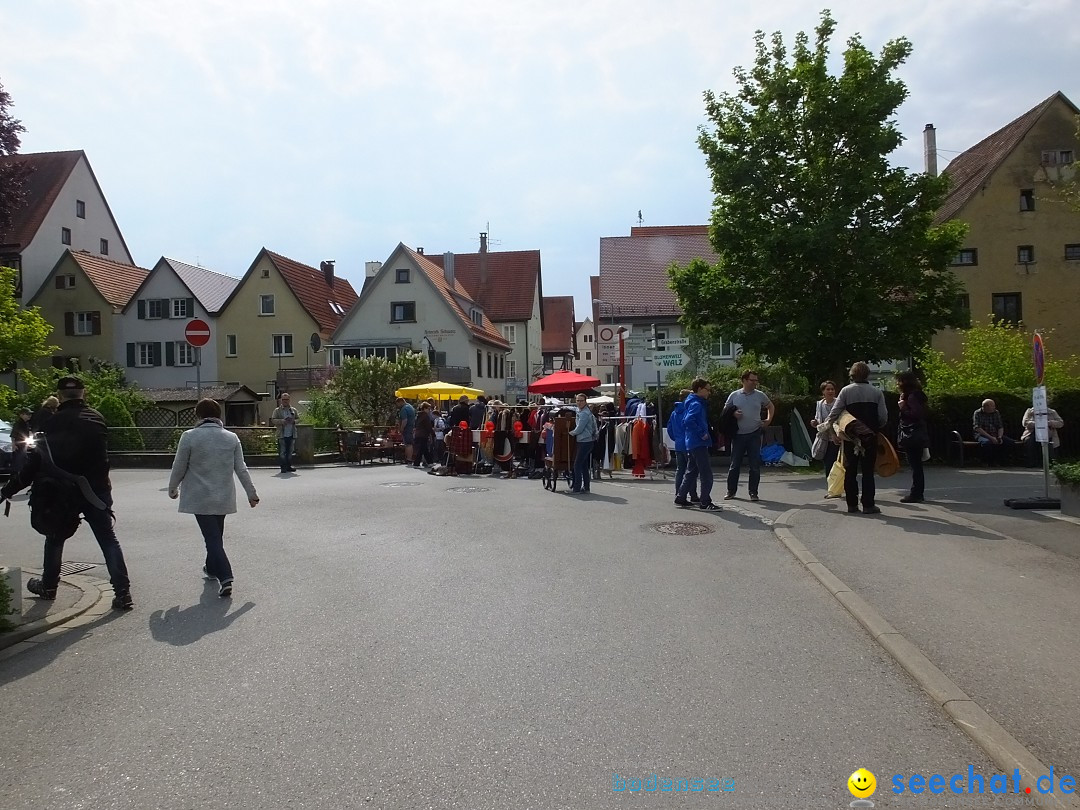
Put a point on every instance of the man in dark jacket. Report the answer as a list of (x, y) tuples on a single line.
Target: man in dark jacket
[(459, 413), (476, 413), (78, 441), (867, 404)]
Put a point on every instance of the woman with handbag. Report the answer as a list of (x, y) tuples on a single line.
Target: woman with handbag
[(913, 437), (826, 445)]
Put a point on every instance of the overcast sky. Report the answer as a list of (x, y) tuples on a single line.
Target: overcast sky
[(334, 129)]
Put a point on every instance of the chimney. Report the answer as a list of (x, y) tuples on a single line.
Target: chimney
[(930, 149), (483, 280), (483, 242), (420, 250), (328, 272), (371, 269), (448, 267)]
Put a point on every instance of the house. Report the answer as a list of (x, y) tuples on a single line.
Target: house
[(65, 210), (1021, 257), (83, 297), (278, 313), (410, 304), (508, 287), (586, 360), (156, 353), (632, 291), (558, 336)]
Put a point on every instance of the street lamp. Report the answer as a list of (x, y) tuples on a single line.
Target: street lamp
[(622, 354)]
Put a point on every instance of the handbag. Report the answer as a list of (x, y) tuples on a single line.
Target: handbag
[(818, 448), (836, 475), (887, 462)]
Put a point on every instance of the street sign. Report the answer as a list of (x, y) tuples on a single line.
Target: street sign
[(672, 342), (1039, 409), (197, 333), (607, 354), (1038, 354), (669, 360), (609, 332)]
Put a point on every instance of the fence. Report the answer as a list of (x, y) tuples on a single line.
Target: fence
[(259, 440)]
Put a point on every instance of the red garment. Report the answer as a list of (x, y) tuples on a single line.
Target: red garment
[(639, 444)]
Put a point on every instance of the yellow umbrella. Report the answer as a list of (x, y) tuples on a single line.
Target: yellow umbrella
[(439, 390)]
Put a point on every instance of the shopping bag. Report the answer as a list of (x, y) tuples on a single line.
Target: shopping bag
[(887, 462), (836, 475)]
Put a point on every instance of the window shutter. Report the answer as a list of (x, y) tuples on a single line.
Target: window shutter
[(69, 323), (59, 282), (166, 308), (142, 310), (157, 354), (191, 307), (95, 323), (170, 354), (131, 355)]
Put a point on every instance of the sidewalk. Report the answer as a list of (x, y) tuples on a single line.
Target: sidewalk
[(76, 596), (989, 595)]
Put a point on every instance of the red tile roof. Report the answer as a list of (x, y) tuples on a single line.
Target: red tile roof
[(557, 336), (487, 331), (633, 276), (969, 171), (326, 303), (48, 173), (116, 281), (506, 288)]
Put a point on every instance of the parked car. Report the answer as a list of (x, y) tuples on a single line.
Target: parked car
[(7, 454)]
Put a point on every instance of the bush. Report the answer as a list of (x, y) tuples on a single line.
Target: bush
[(1067, 473), (123, 436)]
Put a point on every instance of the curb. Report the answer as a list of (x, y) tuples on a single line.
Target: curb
[(1005, 750), (93, 596)]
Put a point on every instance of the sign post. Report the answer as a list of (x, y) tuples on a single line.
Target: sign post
[(197, 334), (1039, 409)]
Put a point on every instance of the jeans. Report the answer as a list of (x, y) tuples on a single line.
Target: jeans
[(100, 522), (684, 470), (914, 453), (285, 451), (698, 469), (853, 465), (749, 443), (582, 474), (832, 451), (217, 561), (422, 450), (994, 453)]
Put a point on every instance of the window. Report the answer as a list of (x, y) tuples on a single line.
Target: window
[(577, 355), (230, 345), (477, 317), (1025, 254), (1006, 308), (80, 209), (335, 357), (266, 305), (968, 257), (181, 308), (147, 354), (588, 338), (403, 312), (588, 355), (501, 359), (510, 333), (65, 282), (479, 363), (84, 323), (963, 307), (184, 353), (511, 368), (282, 346), (1027, 199), (103, 247), (588, 372), (155, 308), (1057, 157), (489, 370), (65, 236), (721, 348), (1072, 253), (401, 275)]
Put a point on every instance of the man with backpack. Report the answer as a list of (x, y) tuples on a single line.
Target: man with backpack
[(69, 478)]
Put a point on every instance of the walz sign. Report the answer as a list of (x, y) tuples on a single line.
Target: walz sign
[(669, 360)]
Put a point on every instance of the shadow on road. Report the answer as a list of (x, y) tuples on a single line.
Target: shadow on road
[(44, 648), (181, 627)]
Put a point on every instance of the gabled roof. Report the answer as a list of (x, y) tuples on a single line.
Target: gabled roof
[(487, 331), (49, 172), (326, 303), (116, 281), (969, 171), (634, 269), (222, 393), (504, 283), (210, 289), (557, 336)]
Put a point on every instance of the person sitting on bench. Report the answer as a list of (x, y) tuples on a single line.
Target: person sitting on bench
[(1031, 447), (989, 430)]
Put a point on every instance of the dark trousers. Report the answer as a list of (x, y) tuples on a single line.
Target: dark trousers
[(749, 443), (213, 532), (853, 465), (683, 471), (698, 469), (995, 454), (832, 451), (914, 453), (422, 450), (1033, 451), (582, 473), (285, 450), (100, 522)]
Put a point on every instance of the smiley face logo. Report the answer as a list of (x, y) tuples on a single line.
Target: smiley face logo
[(862, 784)]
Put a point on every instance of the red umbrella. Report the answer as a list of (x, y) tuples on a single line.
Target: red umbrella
[(563, 382)]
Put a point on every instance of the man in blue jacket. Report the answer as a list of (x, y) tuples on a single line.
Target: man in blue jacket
[(584, 432), (677, 432), (698, 441)]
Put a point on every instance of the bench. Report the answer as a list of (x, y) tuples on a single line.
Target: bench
[(959, 447)]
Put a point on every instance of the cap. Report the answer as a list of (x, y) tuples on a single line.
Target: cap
[(69, 383)]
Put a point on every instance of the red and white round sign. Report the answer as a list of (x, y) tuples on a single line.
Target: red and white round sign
[(197, 332)]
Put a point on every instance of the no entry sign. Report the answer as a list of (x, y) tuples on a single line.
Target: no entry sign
[(197, 332)]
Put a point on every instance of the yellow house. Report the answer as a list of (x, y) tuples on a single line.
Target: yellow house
[(267, 322), (1021, 260), (83, 297)]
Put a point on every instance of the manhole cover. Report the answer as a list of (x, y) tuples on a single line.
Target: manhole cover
[(75, 568), (469, 489), (402, 484), (682, 528)]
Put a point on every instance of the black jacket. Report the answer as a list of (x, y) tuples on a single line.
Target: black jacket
[(459, 413), (79, 441)]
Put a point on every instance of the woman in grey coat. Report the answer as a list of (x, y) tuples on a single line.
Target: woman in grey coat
[(206, 459)]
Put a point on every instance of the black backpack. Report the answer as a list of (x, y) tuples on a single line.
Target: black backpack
[(57, 497)]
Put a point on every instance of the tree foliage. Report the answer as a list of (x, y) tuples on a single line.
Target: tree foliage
[(24, 333), (12, 177), (997, 357), (101, 378), (365, 386), (826, 254), (116, 415)]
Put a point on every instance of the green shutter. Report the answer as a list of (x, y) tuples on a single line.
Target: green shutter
[(142, 310), (170, 353), (157, 353), (131, 354)]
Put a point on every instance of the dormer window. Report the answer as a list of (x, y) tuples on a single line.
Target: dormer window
[(477, 317)]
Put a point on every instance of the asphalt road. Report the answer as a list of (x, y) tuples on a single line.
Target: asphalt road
[(411, 647)]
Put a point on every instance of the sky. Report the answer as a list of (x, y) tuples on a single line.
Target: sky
[(334, 129)]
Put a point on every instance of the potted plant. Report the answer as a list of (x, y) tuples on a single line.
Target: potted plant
[(1068, 476)]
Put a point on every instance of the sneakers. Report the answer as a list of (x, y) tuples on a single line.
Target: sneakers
[(693, 499), (730, 496), (206, 574), (681, 502), (123, 601), (40, 591), (755, 498), (709, 507), (225, 589)]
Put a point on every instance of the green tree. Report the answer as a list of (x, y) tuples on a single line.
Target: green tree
[(24, 333), (12, 176), (996, 357), (123, 435), (365, 386), (826, 254), (102, 379)]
